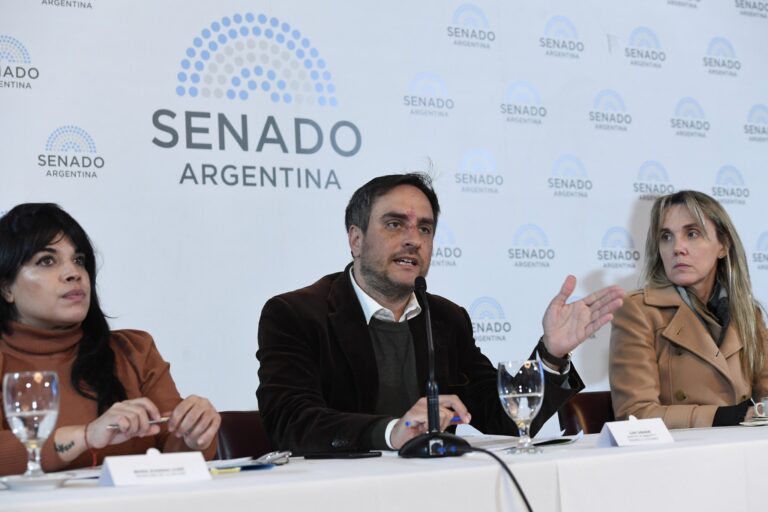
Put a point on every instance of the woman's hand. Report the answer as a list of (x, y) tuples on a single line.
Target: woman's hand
[(196, 420), (132, 419)]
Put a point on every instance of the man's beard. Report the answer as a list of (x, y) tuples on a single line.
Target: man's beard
[(382, 284)]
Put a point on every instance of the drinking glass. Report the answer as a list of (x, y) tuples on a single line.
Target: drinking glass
[(521, 388), (31, 404)]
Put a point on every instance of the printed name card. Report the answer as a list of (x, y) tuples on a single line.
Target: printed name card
[(154, 468), (634, 432)]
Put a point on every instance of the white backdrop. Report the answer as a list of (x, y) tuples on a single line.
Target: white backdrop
[(168, 129)]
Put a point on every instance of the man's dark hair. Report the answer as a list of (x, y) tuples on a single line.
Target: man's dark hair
[(359, 208)]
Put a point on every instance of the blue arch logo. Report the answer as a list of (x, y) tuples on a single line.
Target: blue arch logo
[(486, 308), (762, 242), (617, 238), (643, 37), (478, 161), (428, 84), (13, 51), (468, 15), (560, 27), (689, 108), (721, 47), (652, 171), (728, 175), (568, 166), (522, 93), (244, 56), (608, 100), (530, 235), (70, 138), (758, 115)]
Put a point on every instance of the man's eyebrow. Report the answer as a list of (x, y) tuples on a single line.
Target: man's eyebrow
[(402, 216)]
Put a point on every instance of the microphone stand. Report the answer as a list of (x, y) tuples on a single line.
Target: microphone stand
[(433, 443)]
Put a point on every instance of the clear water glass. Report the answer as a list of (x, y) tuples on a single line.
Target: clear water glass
[(31, 406), (521, 390)]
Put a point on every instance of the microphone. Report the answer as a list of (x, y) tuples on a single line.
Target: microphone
[(433, 443)]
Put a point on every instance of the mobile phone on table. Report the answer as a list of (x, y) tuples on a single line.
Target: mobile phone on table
[(341, 455)]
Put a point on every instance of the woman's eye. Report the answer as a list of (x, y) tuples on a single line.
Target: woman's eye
[(45, 261), (693, 234), (80, 260), (666, 237)]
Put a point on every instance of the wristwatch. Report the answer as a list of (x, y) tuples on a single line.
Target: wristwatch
[(558, 362)]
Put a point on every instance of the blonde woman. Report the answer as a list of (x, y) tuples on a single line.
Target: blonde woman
[(690, 347)]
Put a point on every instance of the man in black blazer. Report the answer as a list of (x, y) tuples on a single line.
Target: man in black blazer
[(343, 361)]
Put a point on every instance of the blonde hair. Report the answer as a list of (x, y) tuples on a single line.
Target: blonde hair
[(732, 270)]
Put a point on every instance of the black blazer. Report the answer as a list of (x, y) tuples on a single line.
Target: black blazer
[(318, 380)]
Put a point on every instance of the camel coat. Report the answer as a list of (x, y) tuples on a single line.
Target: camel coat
[(665, 364)]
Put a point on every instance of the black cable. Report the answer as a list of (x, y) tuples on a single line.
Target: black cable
[(509, 472)]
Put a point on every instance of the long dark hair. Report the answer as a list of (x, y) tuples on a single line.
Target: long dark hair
[(24, 231)]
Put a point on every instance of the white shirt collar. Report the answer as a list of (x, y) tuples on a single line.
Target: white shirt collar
[(372, 309)]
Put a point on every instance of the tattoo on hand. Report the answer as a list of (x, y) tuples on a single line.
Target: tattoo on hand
[(61, 448)]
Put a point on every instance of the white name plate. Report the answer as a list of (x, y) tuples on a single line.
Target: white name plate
[(154, 469), (634, 432)]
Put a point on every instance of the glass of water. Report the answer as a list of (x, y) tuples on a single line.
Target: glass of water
[(521, 389), (31, 406)]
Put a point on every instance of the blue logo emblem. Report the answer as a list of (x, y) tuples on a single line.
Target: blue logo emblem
[(428, 96), (470, 16), (760, 256), (652, 181), (721, 58), (569, 178), (689, 119), (478, 172), (730, 187), (13, 51), (522, 104), (470, 27), (561, 39), (618, 249), (756, 127), (488, 320), (244, 56), (644, 48), (70, 152), (445, 249), (70, 138), (531, 247), (609, 112)]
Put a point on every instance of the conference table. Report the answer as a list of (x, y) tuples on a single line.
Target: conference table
[(704, 469)]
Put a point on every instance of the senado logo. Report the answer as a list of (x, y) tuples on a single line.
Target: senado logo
[(469, 27), (644, 49), (689, 119), (561, 39), (569, 178), (752, 8), (478, 172), (428, 96), (16, 71), (255, 58), (756, 127), (488, 320), (446, 251), (760, 256), (617, 249), (729, 186), (721, 58), (609, 112), (522, 104), (70, 153), (652, 181), (530, 247)]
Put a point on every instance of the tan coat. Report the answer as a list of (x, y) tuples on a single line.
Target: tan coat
[(665, 364)]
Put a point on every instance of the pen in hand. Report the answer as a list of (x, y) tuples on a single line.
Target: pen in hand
[(114, 426)]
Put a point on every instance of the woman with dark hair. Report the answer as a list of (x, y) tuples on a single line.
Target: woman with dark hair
[(50, 319), (690, 347)]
